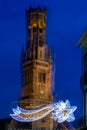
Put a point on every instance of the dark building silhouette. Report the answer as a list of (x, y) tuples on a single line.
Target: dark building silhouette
[(4, 124), (83, 80)]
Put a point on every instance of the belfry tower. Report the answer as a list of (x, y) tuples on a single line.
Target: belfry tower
[(36, 67), (36, 73)]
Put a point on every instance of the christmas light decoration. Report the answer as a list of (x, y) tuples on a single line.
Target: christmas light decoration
[(61, 111)]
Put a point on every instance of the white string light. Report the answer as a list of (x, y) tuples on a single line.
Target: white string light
[(61, 111)]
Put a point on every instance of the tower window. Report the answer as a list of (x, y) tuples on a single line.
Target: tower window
[(28, 77), (41, 30), (42, 77), (41, 41), (34, 29), (40, 54), (35, 39), (39, 77)]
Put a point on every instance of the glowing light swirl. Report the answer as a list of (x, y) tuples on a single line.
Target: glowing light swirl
[(61, 111), (23, 115)]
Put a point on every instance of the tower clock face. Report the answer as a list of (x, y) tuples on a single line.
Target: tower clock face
[(42, 91)]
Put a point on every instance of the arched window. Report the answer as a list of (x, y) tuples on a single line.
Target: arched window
[(42, 77)]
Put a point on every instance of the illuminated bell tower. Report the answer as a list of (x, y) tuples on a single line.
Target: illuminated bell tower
[(36, 67)]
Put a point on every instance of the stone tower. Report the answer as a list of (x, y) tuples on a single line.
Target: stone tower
[(36, 73), (36, 68)]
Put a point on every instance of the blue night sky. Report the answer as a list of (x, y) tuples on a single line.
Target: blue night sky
[(66, 21)]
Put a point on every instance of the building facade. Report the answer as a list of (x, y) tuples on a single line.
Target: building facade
[(83, 80)]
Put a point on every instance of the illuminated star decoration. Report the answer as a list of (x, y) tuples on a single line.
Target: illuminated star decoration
[(61, 111)]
